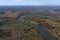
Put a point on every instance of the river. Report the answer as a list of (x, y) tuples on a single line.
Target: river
[(43, 31)]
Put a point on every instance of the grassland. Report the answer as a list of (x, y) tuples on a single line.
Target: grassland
[(13, 30), (51, 24)]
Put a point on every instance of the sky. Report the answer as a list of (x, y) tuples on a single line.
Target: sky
[(29, 2)]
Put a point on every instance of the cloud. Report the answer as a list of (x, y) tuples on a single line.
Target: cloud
[(10, 2)]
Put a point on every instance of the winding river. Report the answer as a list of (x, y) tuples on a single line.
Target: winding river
[(43, 31)]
